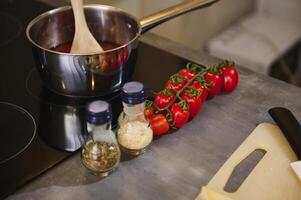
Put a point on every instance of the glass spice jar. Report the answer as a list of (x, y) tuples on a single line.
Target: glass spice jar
[(134, 134), (101, 153)]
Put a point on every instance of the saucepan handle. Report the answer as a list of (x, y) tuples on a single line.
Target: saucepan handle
[(157, 18)]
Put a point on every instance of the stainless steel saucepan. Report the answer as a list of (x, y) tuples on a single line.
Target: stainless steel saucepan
[(81, 75)]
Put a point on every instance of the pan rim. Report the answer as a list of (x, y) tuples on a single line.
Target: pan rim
[(65, 8)]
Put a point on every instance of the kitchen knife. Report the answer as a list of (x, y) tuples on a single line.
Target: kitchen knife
[(291, 129)]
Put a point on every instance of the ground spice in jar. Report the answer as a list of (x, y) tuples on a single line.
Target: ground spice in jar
[(100, 156), (135, 135)]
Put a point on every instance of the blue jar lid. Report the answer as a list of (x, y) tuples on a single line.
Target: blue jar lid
[(133, 93), (98, 112)]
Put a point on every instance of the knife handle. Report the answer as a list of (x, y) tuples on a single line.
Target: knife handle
[(290, 127)]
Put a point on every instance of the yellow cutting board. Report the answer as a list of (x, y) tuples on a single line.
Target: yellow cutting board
[(272, 178)]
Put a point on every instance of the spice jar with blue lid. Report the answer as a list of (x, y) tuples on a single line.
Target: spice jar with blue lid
[(101, 153), (134, 134)]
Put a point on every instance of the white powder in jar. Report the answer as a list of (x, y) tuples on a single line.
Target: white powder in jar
[(135, 135)]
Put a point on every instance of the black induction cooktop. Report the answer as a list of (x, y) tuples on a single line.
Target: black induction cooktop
[(38, 128)]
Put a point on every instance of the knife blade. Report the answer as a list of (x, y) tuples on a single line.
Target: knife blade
[(291, 129)]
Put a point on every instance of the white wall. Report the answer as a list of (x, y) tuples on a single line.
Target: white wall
[(284, 9), (132, 6), (195, 28)]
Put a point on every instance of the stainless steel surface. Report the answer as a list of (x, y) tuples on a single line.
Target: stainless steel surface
[(172, 12), (66, 130), (81, 75), (78, 74), (179, 164)]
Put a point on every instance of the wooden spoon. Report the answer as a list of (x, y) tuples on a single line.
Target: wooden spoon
[(83, 42)]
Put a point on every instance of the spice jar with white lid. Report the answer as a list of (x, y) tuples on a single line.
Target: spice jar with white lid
[(101, 153), (134, 134)]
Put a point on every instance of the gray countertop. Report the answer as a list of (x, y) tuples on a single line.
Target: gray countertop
[(177, 165)]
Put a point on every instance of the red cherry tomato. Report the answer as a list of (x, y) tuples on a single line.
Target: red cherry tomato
[(215, 82), (175, 82), (148, 113), (199, 87), (180, 114), (163, 98), (186, 73), (159, 124), (194, 100), (230, 78)]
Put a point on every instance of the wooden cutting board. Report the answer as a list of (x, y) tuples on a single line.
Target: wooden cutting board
[(272, 178)]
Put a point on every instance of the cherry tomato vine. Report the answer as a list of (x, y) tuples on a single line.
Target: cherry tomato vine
[(192, 80)]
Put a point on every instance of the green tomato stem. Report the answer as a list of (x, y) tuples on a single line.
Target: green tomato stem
[(178, 93)]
